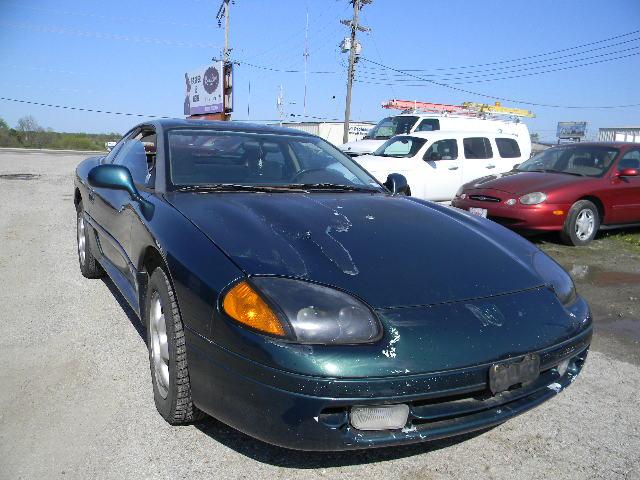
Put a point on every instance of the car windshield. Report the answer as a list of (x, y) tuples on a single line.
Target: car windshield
[(580, 160), (238, 160), (400, 147), (390, 126)]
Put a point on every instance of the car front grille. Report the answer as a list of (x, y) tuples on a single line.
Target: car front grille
[(484, 198)]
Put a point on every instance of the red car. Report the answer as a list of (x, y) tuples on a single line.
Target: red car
[(574, 189)]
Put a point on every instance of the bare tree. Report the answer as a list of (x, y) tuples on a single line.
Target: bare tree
[(27, 126)]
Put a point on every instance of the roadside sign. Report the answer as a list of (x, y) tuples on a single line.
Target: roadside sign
[(204, 90), (571, 129)]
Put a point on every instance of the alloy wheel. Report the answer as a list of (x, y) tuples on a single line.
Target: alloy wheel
[(159, 345), (82, 240), (585, 224)]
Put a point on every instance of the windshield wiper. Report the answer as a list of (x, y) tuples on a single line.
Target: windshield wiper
[(234, 187), (335, 186), (551, 170)]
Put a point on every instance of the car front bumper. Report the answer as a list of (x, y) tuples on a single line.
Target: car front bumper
[(312, 413), (542, 217)]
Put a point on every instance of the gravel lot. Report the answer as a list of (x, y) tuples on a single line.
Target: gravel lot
[(76, 399)]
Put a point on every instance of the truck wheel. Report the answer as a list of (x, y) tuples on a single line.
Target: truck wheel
[(167, 353), (89, 266), (581, 225)]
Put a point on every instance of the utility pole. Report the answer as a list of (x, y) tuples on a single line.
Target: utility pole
[(226, 74), (224, 11), (280, 104), (353, 52), (306, 57)]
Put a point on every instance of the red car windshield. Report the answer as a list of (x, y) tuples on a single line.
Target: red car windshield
[(581, 160)]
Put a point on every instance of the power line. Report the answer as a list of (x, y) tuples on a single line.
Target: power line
[(604, 40), (81, 109), (609, 59), (505, 99), (109, 36), (146, 115), (104, 17), (512, 67), (274, 69)]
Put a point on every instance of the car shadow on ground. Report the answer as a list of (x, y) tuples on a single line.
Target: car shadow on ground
[(126, 308), (284, 457)]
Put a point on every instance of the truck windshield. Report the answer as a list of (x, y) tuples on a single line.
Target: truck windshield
[(390, 126)]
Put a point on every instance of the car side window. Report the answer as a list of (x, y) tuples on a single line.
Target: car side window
[(630, 160), (477, 148), (442, 150), (508, 147), (134, 157), (113, 154), (428, 125)]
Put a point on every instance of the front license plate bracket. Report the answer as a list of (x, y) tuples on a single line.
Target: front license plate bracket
[(503, 376), (480, 212)]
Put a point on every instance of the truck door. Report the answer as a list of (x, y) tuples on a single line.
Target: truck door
[(509, 154), (478, 158), (441, 170)]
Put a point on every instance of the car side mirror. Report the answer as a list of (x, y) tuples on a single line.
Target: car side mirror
[(117, 177), (628, 172), (515, 165), (397, 184)]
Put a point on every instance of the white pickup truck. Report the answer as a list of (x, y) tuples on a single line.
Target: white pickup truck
[(436, 164), (414, 123)]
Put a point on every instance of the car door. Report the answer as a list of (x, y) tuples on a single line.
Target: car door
[(113, 209), (440, 170), (478, 158), (625, 191)]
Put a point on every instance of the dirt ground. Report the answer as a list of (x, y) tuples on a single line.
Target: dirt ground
[(76, 399)]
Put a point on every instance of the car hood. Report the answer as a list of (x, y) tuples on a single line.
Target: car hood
[(520, 183), (361, 147), (390, 251)]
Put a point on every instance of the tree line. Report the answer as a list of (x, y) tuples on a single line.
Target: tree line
[(29, 134)]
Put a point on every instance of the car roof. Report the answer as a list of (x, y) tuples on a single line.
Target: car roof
[(235, 126), (450, 133), (598, 144)]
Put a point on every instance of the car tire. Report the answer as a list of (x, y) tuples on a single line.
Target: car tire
[(581, 225), (89, 266), (167, 353)]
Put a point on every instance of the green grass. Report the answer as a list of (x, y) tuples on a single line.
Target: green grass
[(627, 237)]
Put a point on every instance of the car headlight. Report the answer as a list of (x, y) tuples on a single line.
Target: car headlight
[(533, 198), (302, 312), (460, 193), (555, 277)]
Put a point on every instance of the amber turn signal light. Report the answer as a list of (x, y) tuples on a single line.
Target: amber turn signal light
[(243, 304)]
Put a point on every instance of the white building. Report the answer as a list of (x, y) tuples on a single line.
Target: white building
[(332, 131), (619, 134)]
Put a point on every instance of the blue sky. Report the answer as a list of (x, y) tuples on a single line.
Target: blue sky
[(131, 57)]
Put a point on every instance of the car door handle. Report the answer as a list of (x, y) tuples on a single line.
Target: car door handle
[(491, 166), (453, 168)]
